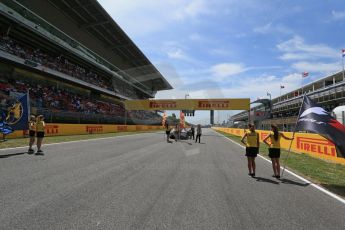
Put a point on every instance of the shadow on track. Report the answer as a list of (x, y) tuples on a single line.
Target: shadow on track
[(287, 181), (261, 179), (12, 155)]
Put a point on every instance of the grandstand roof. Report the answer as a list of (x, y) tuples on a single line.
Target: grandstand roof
[(91, 17)]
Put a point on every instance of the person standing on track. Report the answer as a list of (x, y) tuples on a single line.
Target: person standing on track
[(176, 132), (32, 133), (198, 133), (192, 130), (274, 148), (167, 131), (40, 125), (252, 147)]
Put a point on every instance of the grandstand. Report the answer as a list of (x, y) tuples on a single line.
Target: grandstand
[(76, 63), (283, 110)]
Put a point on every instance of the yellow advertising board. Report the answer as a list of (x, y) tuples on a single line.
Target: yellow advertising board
[(190, 104), (53, 129), (311, 144)]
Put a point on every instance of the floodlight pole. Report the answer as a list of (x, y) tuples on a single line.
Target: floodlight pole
[(269, 94), (343, 67)]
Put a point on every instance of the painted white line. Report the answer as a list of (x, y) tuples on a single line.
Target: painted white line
[(295, 175), (67, 142)]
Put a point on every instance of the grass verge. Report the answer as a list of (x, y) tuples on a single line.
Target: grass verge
[(329, 175), (22, 142)]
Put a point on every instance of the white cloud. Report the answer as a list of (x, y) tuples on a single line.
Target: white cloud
[(326, 68), (258, 87), (139, 17), (271, 28), (338, 15), (170, 73), (263, 29), (296, 56), (220, 52), (291, 78), (177, 54), (195, 37), (297, 49), (240, 35), (176, 50), (190, 9), (224, 70)]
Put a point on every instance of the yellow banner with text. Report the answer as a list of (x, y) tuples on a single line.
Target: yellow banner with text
[(53, 129), (189, 104)]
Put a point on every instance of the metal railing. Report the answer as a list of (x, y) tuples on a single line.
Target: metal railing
[(82, 118)]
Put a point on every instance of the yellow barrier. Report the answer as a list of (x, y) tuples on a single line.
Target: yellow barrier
[(53, 129), (191, 104), (311, 144)]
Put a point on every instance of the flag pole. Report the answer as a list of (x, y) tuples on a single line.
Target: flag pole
[(343, 66), (28, 102), (302, 83), (293, 135)]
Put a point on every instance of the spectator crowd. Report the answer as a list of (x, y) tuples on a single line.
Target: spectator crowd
[(56, 99), (58, 63), (52, 98)]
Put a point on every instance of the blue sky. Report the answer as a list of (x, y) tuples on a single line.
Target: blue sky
[(234, 48)]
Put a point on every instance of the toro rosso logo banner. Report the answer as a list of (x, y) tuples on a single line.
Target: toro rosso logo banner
[(315, 119)]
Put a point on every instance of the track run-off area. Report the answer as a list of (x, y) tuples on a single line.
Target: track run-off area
[(143, 182)]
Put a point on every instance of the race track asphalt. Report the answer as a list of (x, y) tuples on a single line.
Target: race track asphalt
[(142, 182)]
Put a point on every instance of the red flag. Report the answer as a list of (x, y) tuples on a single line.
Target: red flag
[(305, 74)]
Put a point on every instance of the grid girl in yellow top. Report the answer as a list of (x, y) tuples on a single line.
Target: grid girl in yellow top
[(32, 133), (40, 125), (252, 147), (274, 148)]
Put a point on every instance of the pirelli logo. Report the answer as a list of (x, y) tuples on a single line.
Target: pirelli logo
[(94, 128), (263, 135), (162, 104), (214, 104), (315, 145), (51, 129), (121, 128)]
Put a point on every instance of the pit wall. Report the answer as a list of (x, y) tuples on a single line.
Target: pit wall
[(311, 144), (52, 129)]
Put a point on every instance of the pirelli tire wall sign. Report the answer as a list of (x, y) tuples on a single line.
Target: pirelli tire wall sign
[(55, 129), (311, 144), (189, 104)]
